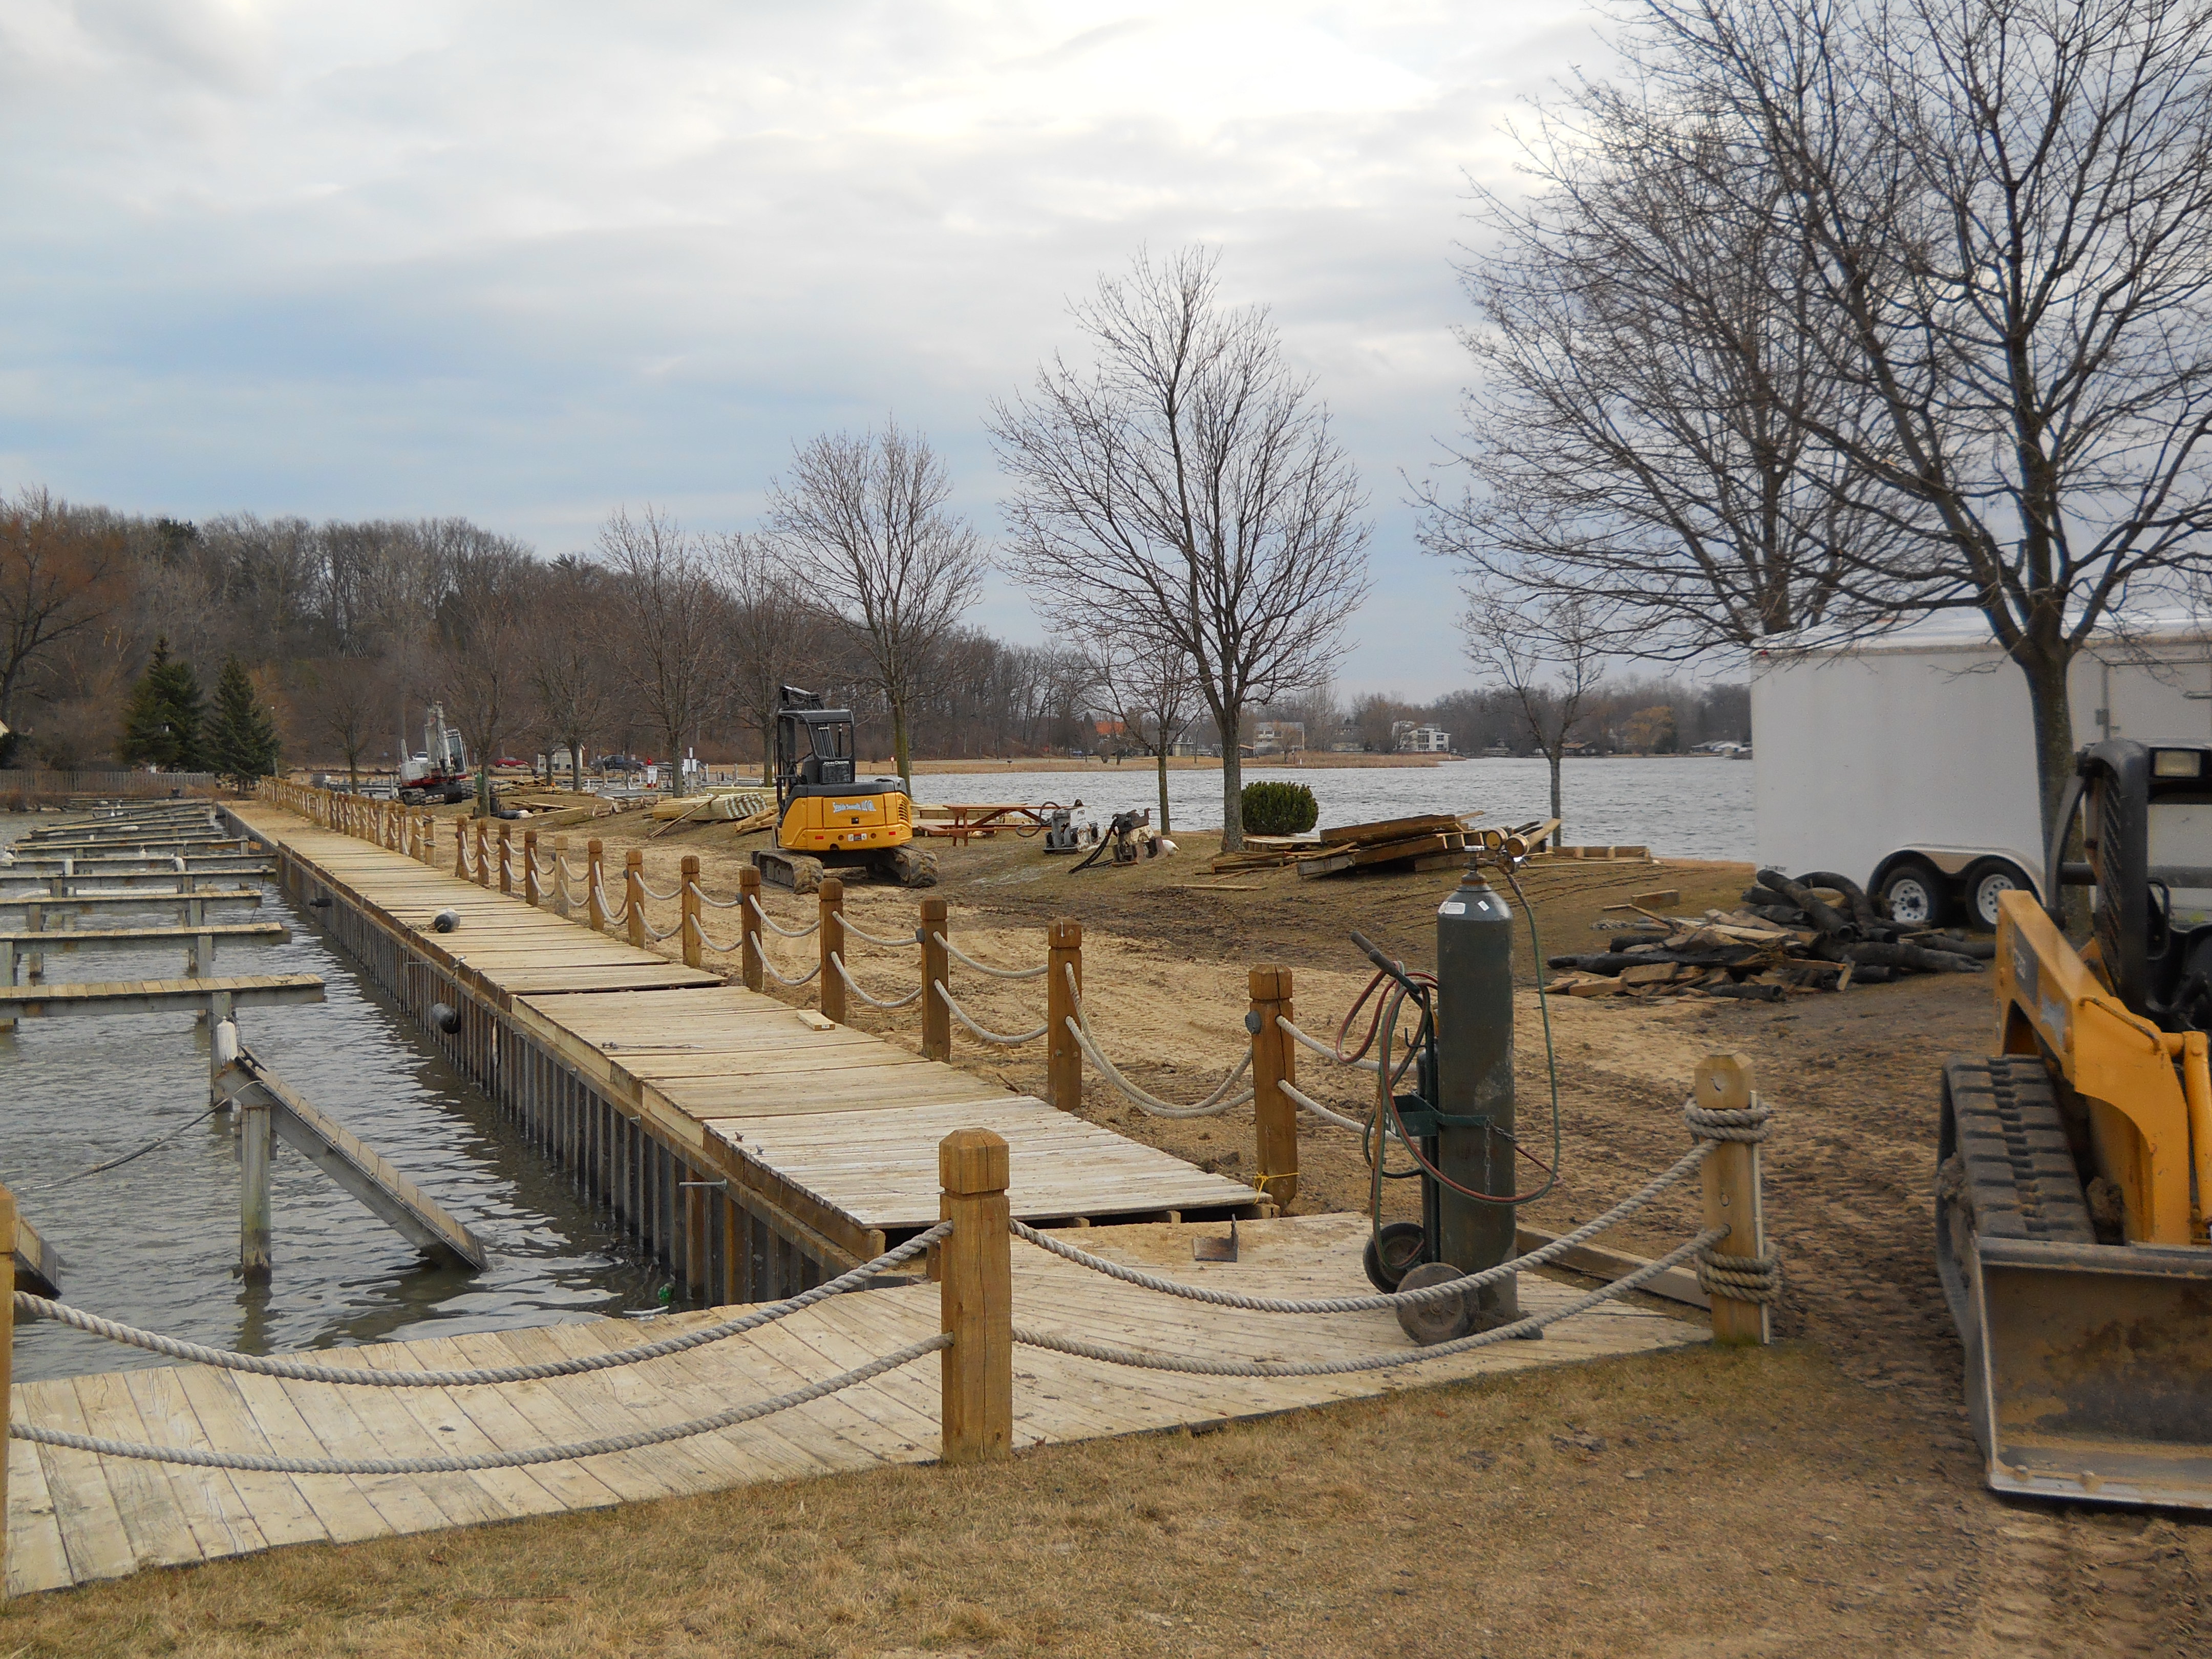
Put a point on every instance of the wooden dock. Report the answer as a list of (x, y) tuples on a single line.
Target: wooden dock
[(75, 1516)]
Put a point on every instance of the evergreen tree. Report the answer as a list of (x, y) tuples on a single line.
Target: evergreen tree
[(241, 737), (161, 722)]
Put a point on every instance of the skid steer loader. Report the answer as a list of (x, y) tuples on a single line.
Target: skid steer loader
[(2074, 1167), (825, 817)]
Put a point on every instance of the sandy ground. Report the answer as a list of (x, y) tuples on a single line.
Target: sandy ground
[(1849, 1173)]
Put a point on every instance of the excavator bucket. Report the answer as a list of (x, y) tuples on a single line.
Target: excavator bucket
[(2090, 1369)]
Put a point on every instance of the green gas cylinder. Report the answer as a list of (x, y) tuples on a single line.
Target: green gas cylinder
[(1474, 1085)]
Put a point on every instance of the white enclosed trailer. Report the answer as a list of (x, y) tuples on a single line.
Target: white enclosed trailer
[(1907, 763)]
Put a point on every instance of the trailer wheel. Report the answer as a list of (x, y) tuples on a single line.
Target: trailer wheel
[(1986, 883), (1916, 894)]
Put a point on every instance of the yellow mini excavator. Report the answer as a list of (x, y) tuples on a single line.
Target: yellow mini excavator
[(2074, 1168), (825, 817)]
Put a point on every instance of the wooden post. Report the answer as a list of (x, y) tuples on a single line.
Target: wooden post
[(936, 969), (484, 849), (595, 909), (1275, 1062), (975, 1298), (1063, 1073), (218, 1016), (254, 1150), (7, 1352), (1732, 1200), (461, 849), (633, 896), (530, 868), (561, 904), (687, 906), (749, 927), (831, 901), (507, 858)]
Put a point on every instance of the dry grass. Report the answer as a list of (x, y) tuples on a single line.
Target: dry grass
[(1731, 1502)]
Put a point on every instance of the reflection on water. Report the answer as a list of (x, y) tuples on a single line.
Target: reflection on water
[(1683, 808), (154, 1243)]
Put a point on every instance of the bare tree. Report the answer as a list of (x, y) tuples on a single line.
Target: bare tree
[(864, 520), (776, 635), (58, 571), (488, 686), (1550, 653), (666, 611), (571, 681), (2006, 207), (349, 700), (1187, 483), (1149, 687), (1652, 372)]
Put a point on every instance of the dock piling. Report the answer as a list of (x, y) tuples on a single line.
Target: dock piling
[(749, 928), (832, 899), (688, 896), (1733, 1197), (1275, 1062), (1063, 1077), (936, 969), (975, 1292)]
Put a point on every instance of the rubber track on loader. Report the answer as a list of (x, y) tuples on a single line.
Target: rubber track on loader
[(2019, 1173)]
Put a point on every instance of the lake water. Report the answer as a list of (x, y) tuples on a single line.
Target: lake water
[(1690, 808), (154, 1242)]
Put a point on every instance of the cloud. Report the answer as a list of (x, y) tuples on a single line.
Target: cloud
[(524, 261)]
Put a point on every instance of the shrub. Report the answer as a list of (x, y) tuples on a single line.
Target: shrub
[(1278, 809)]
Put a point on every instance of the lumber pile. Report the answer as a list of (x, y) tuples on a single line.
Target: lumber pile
[(1394, 843), (1788, 938), (714, 806)]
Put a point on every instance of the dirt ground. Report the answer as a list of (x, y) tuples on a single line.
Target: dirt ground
[(1822, 1495)]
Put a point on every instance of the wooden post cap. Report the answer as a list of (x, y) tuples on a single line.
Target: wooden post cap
[(748, 878), (934, 910), (1722, 1082), (972, 1161), (595, 846), (1066, 933), (634, 858), (690, 867), (530, 838), (1270, 984), (832, 890)]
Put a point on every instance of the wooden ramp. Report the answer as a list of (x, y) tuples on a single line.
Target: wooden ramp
[(74, 1516)]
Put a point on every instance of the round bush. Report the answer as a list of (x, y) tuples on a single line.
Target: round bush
[(1278, 809)]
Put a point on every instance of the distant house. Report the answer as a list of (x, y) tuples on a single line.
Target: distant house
[(1409, 739), (1278, 737)]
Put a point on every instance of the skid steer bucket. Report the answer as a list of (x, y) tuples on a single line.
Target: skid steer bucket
[(2090, 1369)]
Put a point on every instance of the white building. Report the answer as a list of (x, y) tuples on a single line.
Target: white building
[(1412, 739)]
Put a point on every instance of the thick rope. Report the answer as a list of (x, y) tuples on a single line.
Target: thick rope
[(853, 986), (999, 1039), (655, 933), (715, 945), (611, 915), (1756, 1279), (967, 961), (652, 891), (1212, 1106), (1686, 1166), (769, 967), (573, 874), (711, 901), (298, 1371), (198, 1458), (1160, 1362), (1298, 1098), (1327, 1051), (894, 944), (775, 927)]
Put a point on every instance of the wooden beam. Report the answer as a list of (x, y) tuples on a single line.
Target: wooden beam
[(154, 996), (269, 933), (144, 901), (1675, 1285), (38, 1269)]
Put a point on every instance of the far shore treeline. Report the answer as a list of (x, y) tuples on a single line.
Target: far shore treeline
[(345, 631)]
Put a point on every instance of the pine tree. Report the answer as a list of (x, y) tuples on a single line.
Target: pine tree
[(241, 737), (161, 722)]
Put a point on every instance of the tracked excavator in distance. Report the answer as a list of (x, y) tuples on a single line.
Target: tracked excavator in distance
[(826, 818), (2074, 1166)]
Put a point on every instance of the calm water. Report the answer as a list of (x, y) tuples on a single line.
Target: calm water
[(154, 1243), (1686, 808)]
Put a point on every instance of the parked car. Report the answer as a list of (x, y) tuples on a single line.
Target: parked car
[(620, 763)]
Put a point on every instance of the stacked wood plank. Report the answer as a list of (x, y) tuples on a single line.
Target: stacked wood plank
[(1429, 841)]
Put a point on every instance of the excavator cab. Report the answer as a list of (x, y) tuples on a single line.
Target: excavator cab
[(825, 817), (2074, 1166)]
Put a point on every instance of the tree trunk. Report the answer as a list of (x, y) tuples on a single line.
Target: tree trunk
[(900, 753), (1556, 758), (1232, 785), (576, 767), (483, 789), (1164, 788), (768, 752), (2045, 667)]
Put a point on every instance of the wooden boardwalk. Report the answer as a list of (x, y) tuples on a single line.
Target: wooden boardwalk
[(73, 1516)]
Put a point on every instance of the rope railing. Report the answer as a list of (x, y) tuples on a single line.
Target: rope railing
[(615, 913), (855, 987), (1220, 1101), (709, 900), (1327, 1051), (998, 1039), (198, 1457), (769, 967), (1298, 1098), (1522, 1328), (775, 927), (908, 943), (299, 1370), (657, 934), (653, 892), (716, 945), (1683, 1167), (967, 961)]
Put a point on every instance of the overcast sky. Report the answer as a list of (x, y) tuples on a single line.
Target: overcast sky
[(526, 262)]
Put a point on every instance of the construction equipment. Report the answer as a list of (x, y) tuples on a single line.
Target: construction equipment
[(1129, 836), (439, 774), (825, 817), (2074, 1166)]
